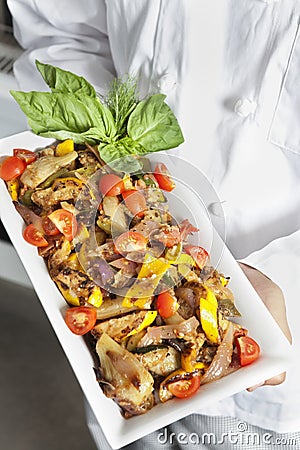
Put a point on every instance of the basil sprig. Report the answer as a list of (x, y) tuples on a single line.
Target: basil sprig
[(119, 124)]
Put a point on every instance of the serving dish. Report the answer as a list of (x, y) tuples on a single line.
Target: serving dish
[(189, 200)]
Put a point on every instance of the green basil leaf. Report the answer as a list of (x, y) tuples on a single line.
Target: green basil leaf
[(119, 155), (103, 119), (67, 115), (90, 136), (63, 81), (153, 125), (127, 164)]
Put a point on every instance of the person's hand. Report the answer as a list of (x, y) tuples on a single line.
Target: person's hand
[(273, 298)]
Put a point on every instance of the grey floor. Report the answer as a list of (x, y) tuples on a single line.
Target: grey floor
[(41, 404)]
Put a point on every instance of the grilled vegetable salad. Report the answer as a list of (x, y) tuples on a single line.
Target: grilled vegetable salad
[(156, 314)]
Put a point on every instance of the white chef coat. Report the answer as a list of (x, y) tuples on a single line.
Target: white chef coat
[(231, 72)]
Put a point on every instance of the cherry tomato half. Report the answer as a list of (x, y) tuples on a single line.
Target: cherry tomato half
[(199, 254), (65, 222), (81, 319), (185, 387), (135, 202), (166, 304), (27, 155), (34, 236), (111, 185), (130, 241), (248, 350), (49, 227), (163, 178), (12, 167)]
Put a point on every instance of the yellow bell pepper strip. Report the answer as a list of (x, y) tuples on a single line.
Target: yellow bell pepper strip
[(70, 298), (187, 273), (148, 319), (64, 180), (127, 182), (188, 361), (173, 254), (73, 262), (13, 189), (82, 255), (224, 281), (143, 303), (184, 270), (209, 316), (153, 266), (184, 264), (96, 298), (65, 147), (141, 291), (185, 259), (174, 374)]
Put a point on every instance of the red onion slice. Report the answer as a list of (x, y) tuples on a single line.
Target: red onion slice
[(155, 335), (222, 359)]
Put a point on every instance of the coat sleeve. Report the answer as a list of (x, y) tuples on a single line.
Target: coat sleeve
[(280, 261), (69, 34)]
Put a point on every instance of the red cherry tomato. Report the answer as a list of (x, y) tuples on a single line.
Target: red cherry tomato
[(130, 241), (135, 202), (65, 222), (34, 237), (166, 304), (111, 184), (27, 155), (185, 387), (49, 227), (81, 319), (248, 350), (12, 167), (163, 178), (199, 254)]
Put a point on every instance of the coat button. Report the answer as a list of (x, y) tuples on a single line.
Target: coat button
[(244, 107), (166, 83), (218, 209)]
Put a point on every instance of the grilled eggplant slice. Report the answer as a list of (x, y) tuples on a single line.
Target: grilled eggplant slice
[(161, 361), (62, 190)]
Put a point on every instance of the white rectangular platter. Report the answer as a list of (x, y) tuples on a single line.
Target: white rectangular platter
[(119, 431)]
